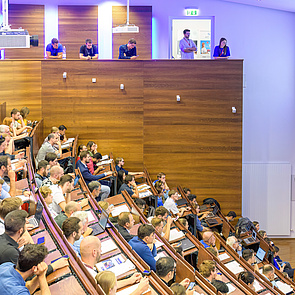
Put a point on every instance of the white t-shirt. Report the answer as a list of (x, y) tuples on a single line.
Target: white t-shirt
[(171, 206), (58, 197)]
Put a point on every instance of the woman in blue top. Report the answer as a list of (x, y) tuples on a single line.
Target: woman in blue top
[(221, 51)]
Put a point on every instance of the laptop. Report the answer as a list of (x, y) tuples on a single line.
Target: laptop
[(35, 220), (187, 244), (213, 213), (251, 239), (211, 221), (100, 227), (260, 255), (181, 202)]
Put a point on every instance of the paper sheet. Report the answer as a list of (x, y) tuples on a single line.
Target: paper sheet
[(257, 286), (90, 216), (234, 267), (175, 234), (231, 288), (119, 209), (285, 288), (107, 246), (158, 244), (223, 256)]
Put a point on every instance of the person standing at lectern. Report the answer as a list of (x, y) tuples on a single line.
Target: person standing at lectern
[(222, 50), (88, 50), (128, 51), (54, 49), (187, 46)]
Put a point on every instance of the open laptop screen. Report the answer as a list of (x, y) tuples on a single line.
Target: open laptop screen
[(38, 213), (103, 219), (260, 254)]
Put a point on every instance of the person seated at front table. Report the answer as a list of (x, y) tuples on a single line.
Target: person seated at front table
[(128, 51), (88, 50), (209, 240), (119, 167), (54, 49), (209, 271), (129, 186)]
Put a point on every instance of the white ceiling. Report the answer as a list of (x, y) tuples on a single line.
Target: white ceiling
[(287, 5)]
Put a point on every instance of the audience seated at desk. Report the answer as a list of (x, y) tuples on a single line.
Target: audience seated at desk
[(209, 240), (54, 50), (130, 186), (249, 256), (166, 270), (56, 172), (231, 215), (170, 204), (92, 148), (139, 243), (162, 176), (269, 273), (281, 265), (162, 193), (88, 51), (248, 278), (234, 244), (88, 177), (72, 229), (47, 147), (51, 158), (42, 172), (30, 262), (209, 271), (46, 193), (125, 223), (70, 208), (95, 189), (119, 167), (18, 128), (90, 249)]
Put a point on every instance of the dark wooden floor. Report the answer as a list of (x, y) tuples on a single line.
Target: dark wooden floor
[(287, 249)]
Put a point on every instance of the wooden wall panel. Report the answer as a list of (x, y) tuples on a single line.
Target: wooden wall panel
[(75, 25), (21, 86), (198, 141), (31, 18), (97, 111), (141, 16)]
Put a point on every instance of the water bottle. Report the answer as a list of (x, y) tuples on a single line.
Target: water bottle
[(64, 53)]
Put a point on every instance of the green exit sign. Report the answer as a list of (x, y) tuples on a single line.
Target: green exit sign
[(192, 12)]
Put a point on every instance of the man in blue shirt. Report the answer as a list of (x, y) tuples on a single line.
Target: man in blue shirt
[(128, 51), (129, 186), (88, 50), (54, 49), (143, 243), (30, 262)]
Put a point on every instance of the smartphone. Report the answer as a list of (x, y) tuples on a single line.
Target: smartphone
[(41, 241), (191, 285), (146, 272), (65, 256)]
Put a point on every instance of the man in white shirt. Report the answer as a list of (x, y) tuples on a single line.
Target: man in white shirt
[(61, 193), (170, 204), (187, 46)]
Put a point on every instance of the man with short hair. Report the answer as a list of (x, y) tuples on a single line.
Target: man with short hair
[(51, 158), (5, 170), (139, 243), (19, 127), (187, 46), (166, 269), (119, 167), (42, 172), (70, 208), (231, 215), (15, 227), (269, 273), (47, 147), (61, 193), (88, 51), (158, 224), (170, 204), (72, 229), (88, 177), (56, 172), (54, 49), (209, 240), (125, 223), (90, 249), (128, 51), (162, 177), (95, 189), (6, 206), (130, 186), (249, 256), (162, 212), (30, 263), (62, 133)]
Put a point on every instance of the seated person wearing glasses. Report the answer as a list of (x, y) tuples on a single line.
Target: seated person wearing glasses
[(88, 50), (170, 204), (143, 244), (166, 270), (234, 244), (209, 240), (248, 255)]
